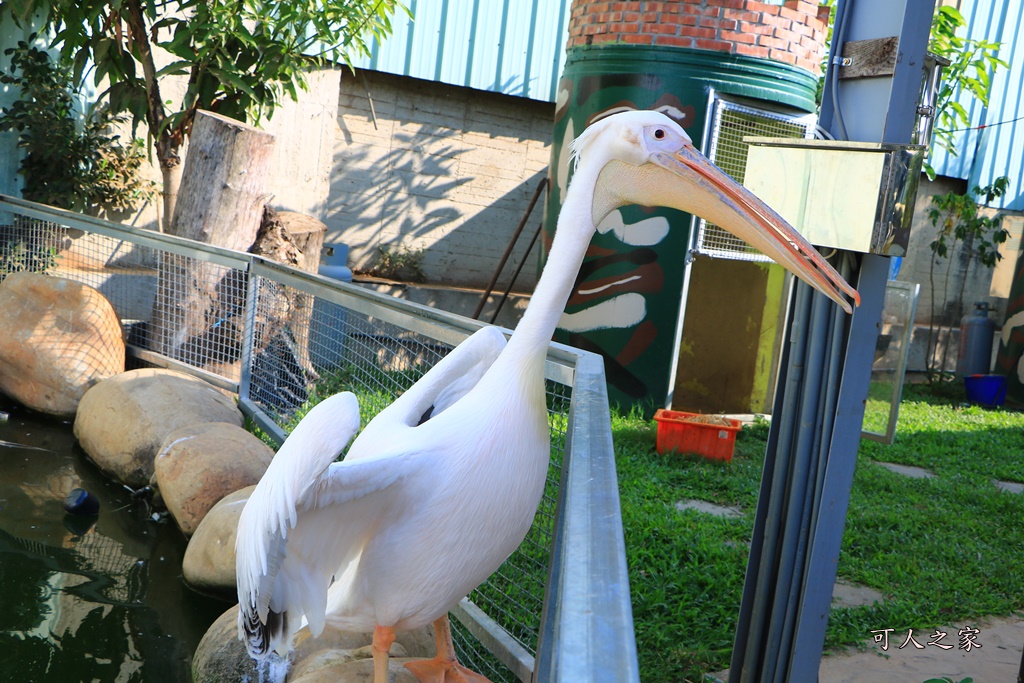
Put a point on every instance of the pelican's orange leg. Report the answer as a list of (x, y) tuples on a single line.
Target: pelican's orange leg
[(383, 637), (444, 667)]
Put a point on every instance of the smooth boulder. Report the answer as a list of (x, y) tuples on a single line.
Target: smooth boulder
[(199, 464), (335, 656), (209, 564), (122, 422), (60, 337)]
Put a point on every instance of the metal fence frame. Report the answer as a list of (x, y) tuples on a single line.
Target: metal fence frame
[(586, 629)]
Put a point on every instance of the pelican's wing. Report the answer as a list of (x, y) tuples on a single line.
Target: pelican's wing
[(302, 523), (441, 387)]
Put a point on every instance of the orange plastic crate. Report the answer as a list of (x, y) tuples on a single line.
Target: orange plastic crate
[(678, 432)]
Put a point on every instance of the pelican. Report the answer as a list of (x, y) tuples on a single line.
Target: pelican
[(442, 485)]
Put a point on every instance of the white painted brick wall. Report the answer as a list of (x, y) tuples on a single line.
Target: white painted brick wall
[(438, 168)]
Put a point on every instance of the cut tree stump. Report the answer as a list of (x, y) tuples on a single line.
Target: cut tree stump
[(296, 240), (220, 202), (283, 316)]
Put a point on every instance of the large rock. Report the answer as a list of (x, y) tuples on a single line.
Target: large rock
[(123, 421), (209, 564), (336, 656), (199, 464), (59, 338), (221, 656)]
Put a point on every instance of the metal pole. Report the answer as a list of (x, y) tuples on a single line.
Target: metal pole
[(508, 249), (823, 382)]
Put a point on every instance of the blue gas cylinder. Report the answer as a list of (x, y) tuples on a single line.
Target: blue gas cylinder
[(977, 332)]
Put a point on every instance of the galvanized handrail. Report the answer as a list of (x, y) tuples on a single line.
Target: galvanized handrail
[(586, 631)]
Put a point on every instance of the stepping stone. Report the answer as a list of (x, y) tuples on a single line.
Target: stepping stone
[(1009, 486), (725, 511), (847, 594), (908, 470)]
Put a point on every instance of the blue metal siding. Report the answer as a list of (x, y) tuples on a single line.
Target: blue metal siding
[(995, 145), (516, 47)]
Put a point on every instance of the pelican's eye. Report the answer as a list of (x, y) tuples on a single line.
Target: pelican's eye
[(659, 134)]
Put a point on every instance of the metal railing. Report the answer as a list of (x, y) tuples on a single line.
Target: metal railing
[(282, 339)]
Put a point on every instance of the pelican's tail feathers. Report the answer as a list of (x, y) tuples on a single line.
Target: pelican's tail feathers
[(261, 637)]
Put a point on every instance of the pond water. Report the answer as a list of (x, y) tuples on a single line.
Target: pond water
[(86, 599)]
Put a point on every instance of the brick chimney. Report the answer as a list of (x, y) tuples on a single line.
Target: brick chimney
[(792, 33)]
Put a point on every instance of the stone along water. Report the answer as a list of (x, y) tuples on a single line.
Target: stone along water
[(96, 598)]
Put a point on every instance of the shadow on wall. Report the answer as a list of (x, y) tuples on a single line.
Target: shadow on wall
[(414, 198), (439, 170), (942, 284)]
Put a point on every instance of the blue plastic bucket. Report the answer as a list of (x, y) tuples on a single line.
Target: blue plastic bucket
[(986, 390)]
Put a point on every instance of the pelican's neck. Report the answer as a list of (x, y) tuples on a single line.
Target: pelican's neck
[(573, 232)]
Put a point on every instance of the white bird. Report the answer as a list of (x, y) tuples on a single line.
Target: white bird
[(442, 486)]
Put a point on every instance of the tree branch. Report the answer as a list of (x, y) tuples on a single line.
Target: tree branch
[(167, 142)]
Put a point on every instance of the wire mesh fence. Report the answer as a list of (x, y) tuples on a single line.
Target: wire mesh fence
[(283, 340), (730, 124)]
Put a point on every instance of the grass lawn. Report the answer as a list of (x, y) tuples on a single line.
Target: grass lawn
[(943, 551)]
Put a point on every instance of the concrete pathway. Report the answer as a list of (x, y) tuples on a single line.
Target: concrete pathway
[(997, 660)]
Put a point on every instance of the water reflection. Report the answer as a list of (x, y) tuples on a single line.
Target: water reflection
[(97, 598)]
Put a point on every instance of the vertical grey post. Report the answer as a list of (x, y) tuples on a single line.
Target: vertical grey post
[(251, 286), (823, 382)]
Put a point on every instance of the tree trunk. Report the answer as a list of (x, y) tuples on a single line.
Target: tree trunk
[(283, 317), (171, 183), (294, 239), (220, 202)]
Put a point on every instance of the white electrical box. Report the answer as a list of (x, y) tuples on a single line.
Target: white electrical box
[(856, 196)]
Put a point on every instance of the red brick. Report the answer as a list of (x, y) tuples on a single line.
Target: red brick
[(782, 56), (762, 8), (621, 27), (679, 19), (824, 12), (668, 29), (718, 23), (631, 17), (773, 43), (659, 6), (792, 15), (775, 21), (716, 45), (591, 29), (697, 32), (741, 15), (674, 41), (810, 43), (760, 29), (625, 6), (809, 9), (637, 39), (813, 67), (800, 29), (702, 10), (604, 38), (650, 17), (734, 37), (752, 50)]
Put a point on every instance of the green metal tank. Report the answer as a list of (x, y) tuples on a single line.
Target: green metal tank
[(628, 297)]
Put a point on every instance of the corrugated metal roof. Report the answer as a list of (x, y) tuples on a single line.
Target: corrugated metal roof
[(516, 47), (995, 144)]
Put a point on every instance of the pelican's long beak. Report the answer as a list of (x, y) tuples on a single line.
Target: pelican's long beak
[(708, 192)]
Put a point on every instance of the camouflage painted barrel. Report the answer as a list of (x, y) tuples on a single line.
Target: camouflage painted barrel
[(628, 296), (1010, 355)]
